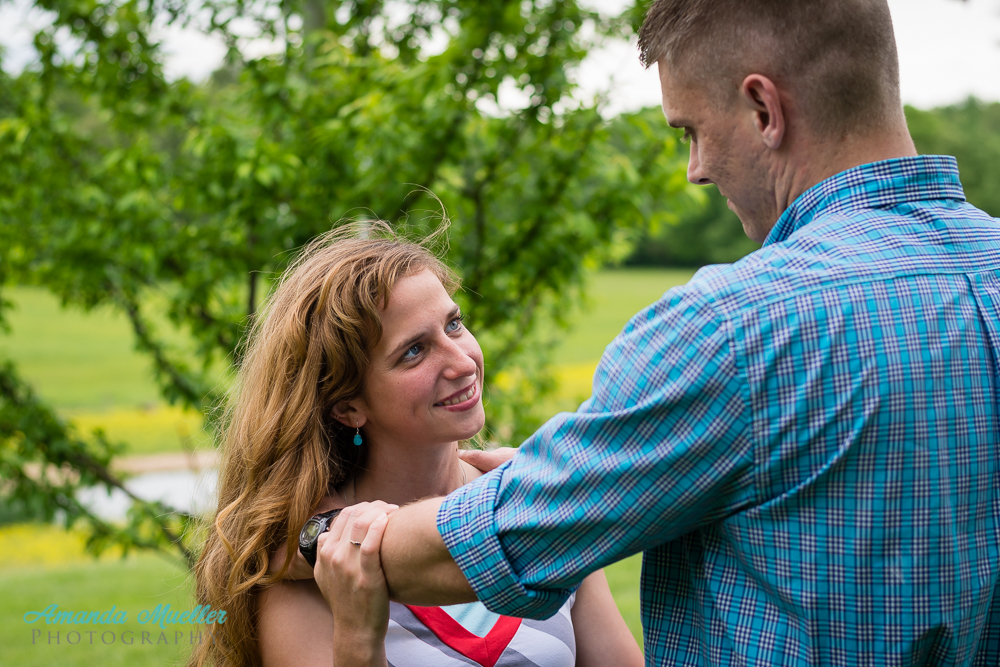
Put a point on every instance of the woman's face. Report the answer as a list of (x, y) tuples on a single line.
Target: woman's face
[(425, 381)]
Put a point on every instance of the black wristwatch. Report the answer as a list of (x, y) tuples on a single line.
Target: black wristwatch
[(310, 533)]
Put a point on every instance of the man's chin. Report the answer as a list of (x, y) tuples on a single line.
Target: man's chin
[(755, 228)]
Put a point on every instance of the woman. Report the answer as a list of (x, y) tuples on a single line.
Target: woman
[(358, 385)]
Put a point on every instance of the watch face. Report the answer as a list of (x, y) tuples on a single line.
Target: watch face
[(310, 533), (311, 530), (315, 526)]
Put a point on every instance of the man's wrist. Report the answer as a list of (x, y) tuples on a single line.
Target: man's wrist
[(417, 565)]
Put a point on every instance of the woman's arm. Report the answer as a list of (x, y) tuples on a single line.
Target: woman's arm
[(341, 617), (295, 625), (602, 638)]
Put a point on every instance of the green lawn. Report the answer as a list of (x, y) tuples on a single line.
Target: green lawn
[(84, 364), (76, 360), (614, 297), (133, 585)]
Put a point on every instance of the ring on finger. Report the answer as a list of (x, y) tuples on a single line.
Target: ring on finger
[(357, 544)]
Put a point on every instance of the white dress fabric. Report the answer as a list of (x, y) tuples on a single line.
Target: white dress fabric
[(469, 635)]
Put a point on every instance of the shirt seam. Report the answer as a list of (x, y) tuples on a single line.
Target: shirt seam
[(739, 363)]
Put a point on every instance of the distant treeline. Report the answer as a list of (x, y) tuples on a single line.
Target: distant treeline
[(712, 234)]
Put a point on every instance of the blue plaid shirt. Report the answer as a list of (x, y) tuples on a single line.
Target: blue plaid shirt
[(803, 443)]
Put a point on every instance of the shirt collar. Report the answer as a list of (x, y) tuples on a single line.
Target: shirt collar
[(879, 184)]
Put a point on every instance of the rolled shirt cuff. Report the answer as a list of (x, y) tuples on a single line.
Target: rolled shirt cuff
[(467, 523)]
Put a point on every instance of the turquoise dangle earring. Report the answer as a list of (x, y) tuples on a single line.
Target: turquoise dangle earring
[(357, 436)]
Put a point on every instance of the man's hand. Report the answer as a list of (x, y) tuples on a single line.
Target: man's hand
[(486, 461)]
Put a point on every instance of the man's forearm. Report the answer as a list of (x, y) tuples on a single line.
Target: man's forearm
[(418, 568)]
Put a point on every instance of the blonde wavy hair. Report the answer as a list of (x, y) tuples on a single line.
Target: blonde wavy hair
[(283, 451)]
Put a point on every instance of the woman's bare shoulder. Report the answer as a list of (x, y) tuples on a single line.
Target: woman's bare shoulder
[(291, 593), (295, 625)]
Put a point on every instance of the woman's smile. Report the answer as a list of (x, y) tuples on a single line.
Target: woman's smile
[(462, 399)]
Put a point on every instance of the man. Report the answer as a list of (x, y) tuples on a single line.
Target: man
[(805, 444)]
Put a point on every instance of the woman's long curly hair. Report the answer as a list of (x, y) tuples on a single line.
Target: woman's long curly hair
[(283, 451)]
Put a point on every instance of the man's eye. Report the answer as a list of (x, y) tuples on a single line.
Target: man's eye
[(454, 325), (412, 352)]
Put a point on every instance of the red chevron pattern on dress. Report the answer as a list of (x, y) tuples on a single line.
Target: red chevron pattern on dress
[(484, 650)]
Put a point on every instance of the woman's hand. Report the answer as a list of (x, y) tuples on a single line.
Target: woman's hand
[(349, 574), (299, 568)]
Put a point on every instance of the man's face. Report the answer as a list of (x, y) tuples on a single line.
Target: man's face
[(725, 149)]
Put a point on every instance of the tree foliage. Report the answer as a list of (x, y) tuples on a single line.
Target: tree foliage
[(117, 184), (971, 132), (707, 232)]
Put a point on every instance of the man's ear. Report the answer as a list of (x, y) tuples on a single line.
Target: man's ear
[(761, 95), (350, 413)]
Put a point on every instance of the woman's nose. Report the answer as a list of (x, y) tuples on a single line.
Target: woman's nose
[(459, 363)]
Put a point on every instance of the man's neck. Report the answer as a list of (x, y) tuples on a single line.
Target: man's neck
[(815, 160)]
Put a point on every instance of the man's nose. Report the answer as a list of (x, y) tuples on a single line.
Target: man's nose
[(695, 174)]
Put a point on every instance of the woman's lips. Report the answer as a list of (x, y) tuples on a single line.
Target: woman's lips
[(461, 400)]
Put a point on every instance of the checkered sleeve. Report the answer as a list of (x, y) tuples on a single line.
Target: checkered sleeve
[(661, 448)]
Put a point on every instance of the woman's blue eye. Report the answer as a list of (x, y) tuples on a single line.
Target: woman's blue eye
[(454, 325), (411, 353)]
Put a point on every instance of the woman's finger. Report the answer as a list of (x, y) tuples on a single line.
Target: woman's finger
[(370, 560), (341, 523), (385, 507), (352, 523), (362, 521)]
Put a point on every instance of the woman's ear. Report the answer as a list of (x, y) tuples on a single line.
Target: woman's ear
[(350, 413)]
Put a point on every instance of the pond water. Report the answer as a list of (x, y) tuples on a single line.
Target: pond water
[(186, 490)]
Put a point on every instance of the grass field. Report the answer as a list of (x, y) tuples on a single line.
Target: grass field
[(613, 298), (84, 364), (75, 582)]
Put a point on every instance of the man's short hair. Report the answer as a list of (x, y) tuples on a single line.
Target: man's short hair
[(839, 56)]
